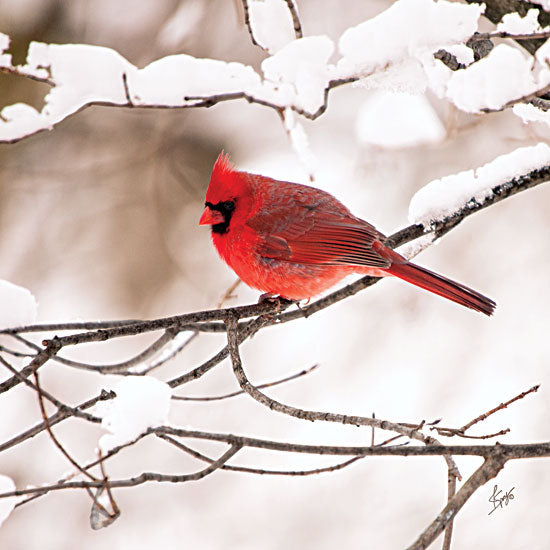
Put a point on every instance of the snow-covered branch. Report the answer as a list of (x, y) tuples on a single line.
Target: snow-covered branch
[(394, 50)]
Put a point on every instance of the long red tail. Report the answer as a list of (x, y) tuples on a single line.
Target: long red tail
[(428, 280)]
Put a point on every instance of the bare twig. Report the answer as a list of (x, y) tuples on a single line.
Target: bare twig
[(165, 357), (512, 36), (114, 368), (40, 359), (54, 401), (99, 516), (55, 418), (54, 439), (228, 293), (259, 471), (451, 490), (133, 481), (248, 330), (450, 432), (240, 392), (41, 491)]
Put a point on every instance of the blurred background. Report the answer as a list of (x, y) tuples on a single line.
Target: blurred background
[(98, 218)]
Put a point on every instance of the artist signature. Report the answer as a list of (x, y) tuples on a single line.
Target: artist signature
[(499, 501)]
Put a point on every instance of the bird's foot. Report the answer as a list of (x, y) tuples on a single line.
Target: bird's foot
[(276, 300), (268, 297)]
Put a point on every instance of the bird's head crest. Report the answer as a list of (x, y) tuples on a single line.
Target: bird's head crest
[(225, 182)]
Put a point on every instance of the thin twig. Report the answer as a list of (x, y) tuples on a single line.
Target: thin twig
[(228, 293), (64, 413), (512, 36), (114, 368), (49, 351), (451, 490), (241, 392), (133, 481), (499, 407), (54, 401), (450, 432), (248, 330), (41, 491), (54, 439), (165, 357), (259, 471), (107, 518)]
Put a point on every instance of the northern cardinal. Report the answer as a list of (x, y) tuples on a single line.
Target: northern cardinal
[(296, 241)]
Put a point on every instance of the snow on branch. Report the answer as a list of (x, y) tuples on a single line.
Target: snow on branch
[(394, 50), (271, 23), (449, 196)]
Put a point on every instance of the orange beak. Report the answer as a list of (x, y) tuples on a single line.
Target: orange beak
[(211, 217)]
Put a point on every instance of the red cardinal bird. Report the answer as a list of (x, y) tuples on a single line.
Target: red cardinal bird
[(296, 241)]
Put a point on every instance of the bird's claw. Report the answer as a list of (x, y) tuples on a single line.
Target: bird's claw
[(276, 300)]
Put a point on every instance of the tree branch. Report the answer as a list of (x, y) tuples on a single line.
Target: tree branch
[(488, 470)]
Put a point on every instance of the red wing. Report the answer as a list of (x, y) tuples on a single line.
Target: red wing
[(318, 238)]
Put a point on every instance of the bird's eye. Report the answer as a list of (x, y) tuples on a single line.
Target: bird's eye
[(228, 205)]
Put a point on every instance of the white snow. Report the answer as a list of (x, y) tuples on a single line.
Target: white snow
[(271, 23), (20, 119), (462, 53), (4, 42), (530, 113), (398, 120), (6, 504), (408, 28), (300, 141), (142, 402), (442, 198), (489, 82), (19, 306), (513, 23), (392, 51), (300, 71), (411, 249), (82, 74), (168, 80)]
